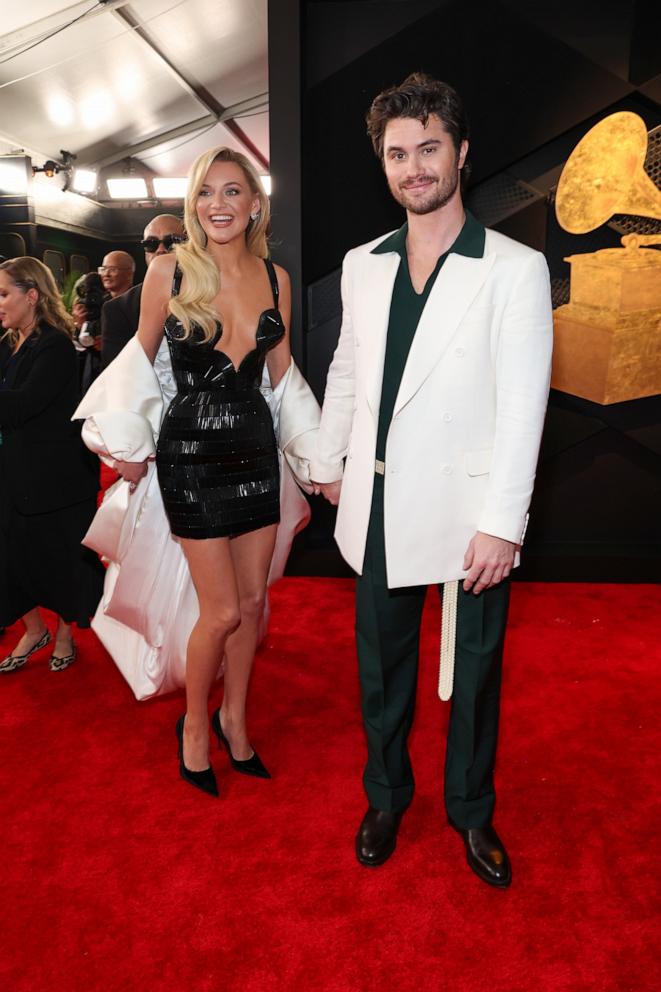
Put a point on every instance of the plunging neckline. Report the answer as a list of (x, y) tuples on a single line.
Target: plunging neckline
[(219, 334)]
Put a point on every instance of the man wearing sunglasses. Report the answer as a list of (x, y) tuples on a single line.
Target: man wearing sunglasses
[(119, 318)]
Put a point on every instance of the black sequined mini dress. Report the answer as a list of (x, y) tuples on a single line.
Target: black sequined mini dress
[(217, 458)]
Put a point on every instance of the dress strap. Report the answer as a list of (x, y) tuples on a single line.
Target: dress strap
[(273, 279), (176, 280)]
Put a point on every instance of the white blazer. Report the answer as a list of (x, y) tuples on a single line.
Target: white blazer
[(464, 439)]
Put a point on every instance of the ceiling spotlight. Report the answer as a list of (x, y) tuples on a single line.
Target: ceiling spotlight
[(169, 188), (84, 180), (13, 175), (133, 188), (49, 168)]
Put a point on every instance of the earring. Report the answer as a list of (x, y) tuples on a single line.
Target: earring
[(254, 216)]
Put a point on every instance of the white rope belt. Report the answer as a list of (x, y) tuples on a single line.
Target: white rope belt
[(448, 638), (448, 624)]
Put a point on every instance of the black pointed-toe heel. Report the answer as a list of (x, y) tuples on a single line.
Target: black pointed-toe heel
[(251, 766), (204, 780)]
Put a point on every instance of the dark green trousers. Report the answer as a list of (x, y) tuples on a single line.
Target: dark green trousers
[(387, 638)]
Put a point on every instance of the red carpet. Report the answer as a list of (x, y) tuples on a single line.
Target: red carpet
[(118, 877)]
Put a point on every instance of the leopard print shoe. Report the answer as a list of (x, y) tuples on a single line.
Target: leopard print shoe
[(13, 662)]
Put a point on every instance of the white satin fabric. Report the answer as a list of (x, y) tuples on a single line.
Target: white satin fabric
[(149, 605)]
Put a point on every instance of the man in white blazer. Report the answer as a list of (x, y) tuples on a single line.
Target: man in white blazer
[(429, 439)]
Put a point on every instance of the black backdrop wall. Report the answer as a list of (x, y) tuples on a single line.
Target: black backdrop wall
[(535, 77)]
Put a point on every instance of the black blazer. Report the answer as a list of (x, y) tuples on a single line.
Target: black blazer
[(119, 322), (44, 464)]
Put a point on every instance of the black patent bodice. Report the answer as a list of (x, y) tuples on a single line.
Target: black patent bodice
[(199, 367), (217, 457)]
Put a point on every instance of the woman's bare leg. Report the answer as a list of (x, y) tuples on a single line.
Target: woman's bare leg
[(212, 572), (35, 628), (251, 554), (63, 639)]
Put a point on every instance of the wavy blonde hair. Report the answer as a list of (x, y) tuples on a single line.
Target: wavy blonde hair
[(29, 273), (193, 305)]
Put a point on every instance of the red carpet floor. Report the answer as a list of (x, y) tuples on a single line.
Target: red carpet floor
[(118, 877)]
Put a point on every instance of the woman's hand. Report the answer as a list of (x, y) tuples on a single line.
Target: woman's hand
[(132, 472)]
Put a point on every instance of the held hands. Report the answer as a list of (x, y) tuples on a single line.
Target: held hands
[(132, 472), (329, 490), (488, 561)]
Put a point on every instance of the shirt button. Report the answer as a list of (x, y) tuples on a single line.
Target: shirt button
[(460, 352), (447, 470), (357, 343), (447, 417)]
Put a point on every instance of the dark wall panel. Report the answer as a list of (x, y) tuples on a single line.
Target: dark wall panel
[(522, 88)]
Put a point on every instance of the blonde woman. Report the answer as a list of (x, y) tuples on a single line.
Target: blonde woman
[(48, 479), (224, 308)]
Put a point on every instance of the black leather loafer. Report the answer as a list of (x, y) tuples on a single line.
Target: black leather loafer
[(486, 854), (377, 836)]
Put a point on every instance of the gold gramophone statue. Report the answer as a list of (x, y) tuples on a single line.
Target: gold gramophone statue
[(607, 339)]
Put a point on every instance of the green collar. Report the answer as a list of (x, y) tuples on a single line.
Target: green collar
[(469, 241)]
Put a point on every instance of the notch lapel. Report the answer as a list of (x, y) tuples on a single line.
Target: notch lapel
[(456, 286)]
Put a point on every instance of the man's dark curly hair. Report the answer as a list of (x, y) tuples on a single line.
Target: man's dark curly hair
[(419, 96)]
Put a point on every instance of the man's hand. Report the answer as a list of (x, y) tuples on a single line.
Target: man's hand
[(329, 490), (488, 561)]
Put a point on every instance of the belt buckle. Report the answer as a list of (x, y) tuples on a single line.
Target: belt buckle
[(379, 467)]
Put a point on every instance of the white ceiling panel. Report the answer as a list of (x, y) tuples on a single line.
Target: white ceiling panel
[(16, 17), (98, 88), (222, 43), (176, 158)]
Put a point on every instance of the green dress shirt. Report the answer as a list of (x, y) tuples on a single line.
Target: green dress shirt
[(406, 308)]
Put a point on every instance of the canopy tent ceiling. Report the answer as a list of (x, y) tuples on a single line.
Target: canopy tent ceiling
[(155, 80)]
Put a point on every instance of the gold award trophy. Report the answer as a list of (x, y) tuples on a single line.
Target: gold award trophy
[(607, 339)]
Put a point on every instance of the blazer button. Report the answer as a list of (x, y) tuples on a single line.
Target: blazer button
[(447, 470), (447, 417), (460, 352)]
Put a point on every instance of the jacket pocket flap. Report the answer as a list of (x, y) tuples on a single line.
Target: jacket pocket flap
[(478, 462)]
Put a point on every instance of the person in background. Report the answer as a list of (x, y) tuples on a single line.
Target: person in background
[(117, 271), (49, 481), (79, 314), (90, 298), (119, 319)]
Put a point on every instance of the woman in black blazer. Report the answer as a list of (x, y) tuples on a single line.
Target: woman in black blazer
[(48, 479)]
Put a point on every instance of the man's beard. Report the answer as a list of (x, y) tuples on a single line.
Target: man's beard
[(437, 197)]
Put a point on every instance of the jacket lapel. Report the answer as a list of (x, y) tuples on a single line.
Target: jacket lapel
[(456, 286), (376, 296)]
